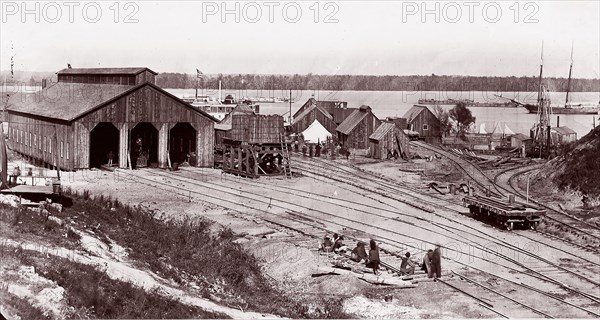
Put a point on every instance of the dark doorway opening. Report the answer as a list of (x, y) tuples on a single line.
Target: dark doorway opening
[(104, 143), (182, 144), (144, 145)]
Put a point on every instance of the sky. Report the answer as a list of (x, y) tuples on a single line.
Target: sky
[(490, 38)]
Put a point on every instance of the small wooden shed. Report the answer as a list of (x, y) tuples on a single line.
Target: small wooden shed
[(519, 139), (563, 135), (389, 137), (355, 131), (420, 119)]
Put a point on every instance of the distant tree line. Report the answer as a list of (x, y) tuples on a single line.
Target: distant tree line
[(372, 83)]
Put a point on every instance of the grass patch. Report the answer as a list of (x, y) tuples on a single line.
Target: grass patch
[(22, 307), (92, 294), (24, 221), (186, 251)]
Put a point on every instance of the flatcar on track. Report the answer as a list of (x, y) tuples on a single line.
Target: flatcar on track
[(507, 214)]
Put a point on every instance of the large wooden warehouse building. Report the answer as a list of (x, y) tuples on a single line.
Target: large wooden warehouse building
[(89, 113)]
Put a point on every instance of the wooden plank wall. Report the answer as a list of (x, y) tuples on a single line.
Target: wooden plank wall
[(359, 136), (380, 148), (428, 118), (145, 76), (41, 140), (256, 128), (144, 105), (150, 105)]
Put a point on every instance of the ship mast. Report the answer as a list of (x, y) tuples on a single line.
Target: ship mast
[(540, 78), (541, 129), (569, 81)]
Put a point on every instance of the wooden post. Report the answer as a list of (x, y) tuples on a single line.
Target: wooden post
[(163, 137), (124, 155), (527, 199)]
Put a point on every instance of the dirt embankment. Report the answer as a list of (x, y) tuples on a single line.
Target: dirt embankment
[(578, 167), (576, 171)]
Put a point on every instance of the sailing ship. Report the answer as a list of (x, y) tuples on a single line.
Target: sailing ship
[(568, 108)]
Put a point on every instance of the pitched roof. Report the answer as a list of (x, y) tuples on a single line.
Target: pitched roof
[(351, 121), (564, 130), (70, 101), (106, 71), (382, 130), (239, 109), (308, 110), (413, 112)]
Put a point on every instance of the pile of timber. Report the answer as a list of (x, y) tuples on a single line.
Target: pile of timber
[(504, 161), (381, 279), (467, 154)]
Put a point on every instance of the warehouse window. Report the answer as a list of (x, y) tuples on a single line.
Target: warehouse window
[(45, 147), (17, 135), (62, 147), (30, 139), (425, 127), (67, 151), (49, 146)]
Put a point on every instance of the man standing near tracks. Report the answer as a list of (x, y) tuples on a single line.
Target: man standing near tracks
[(436, 261)]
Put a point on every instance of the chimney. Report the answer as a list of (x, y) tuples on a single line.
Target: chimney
[(44, 83), (557, 121), (511, 198)]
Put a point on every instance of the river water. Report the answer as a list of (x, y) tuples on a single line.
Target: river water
[(396, 103)]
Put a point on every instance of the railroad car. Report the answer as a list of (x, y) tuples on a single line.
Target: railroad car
[(507, 214)]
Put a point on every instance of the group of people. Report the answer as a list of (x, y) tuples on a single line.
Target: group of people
[(358, 254), (334, 244), (432, 261)]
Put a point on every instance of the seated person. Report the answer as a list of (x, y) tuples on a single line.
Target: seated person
[(338, 245), (359, 253), (327, 245), (407, 266)]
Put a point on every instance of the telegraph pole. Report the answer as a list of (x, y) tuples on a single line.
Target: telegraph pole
[(290, 115)]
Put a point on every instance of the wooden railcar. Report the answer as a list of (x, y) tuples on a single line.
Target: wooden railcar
[(507, 214)]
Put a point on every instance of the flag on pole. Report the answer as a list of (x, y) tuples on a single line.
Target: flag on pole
[(198, 73)]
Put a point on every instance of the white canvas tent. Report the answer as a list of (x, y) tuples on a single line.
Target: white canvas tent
[(316, 132), (496, 128)]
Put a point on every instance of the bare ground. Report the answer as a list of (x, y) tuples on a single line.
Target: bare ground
[(290, 258)]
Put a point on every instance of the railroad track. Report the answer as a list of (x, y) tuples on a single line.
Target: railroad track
[(563, 250), (471, 170), (401, 190), (581, 229), (356, 205), (203, 196), (504, 184)]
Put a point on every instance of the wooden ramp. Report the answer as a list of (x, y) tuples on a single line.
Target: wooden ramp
[(27, 189)]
